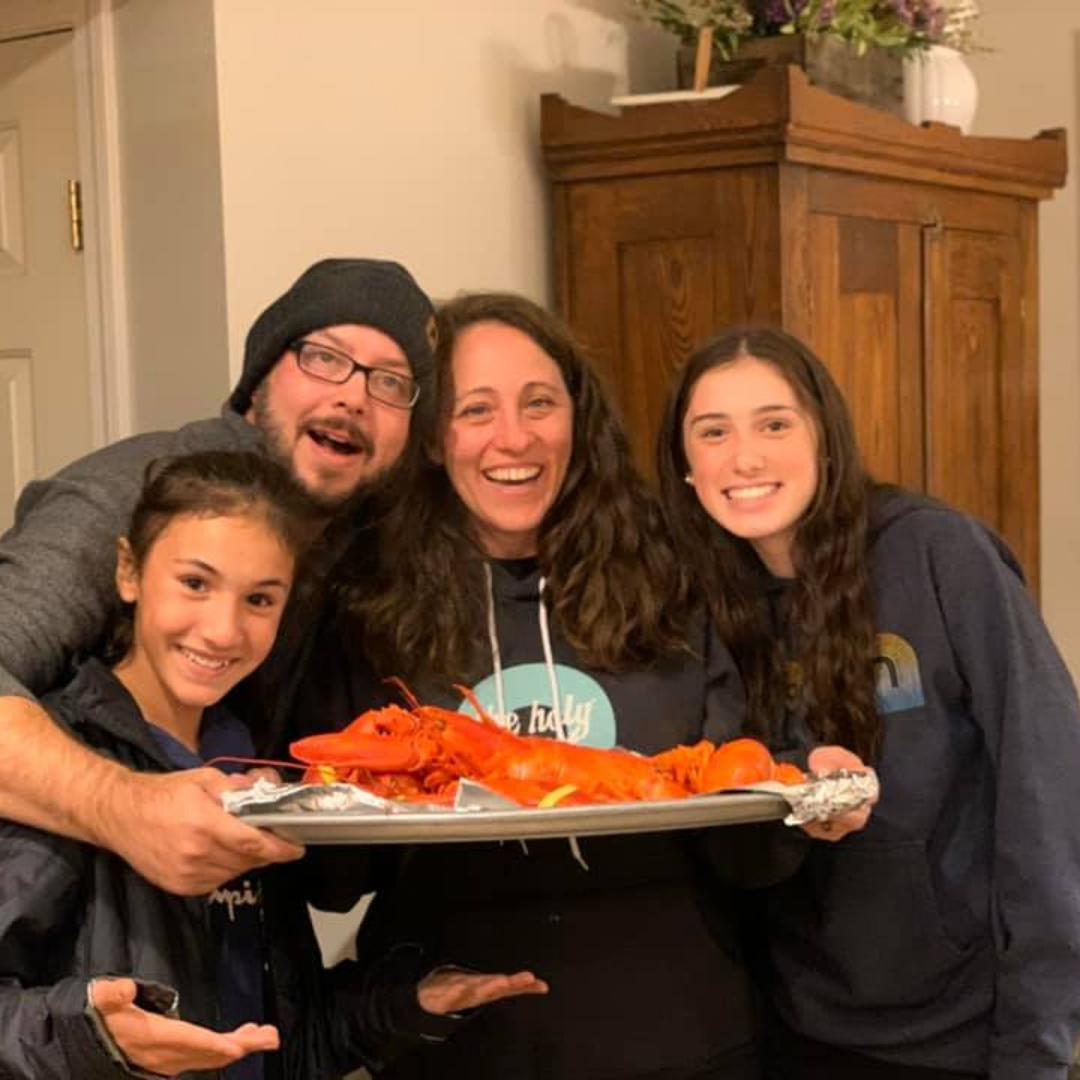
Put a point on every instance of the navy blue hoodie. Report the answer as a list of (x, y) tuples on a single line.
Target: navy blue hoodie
[(947, 933)]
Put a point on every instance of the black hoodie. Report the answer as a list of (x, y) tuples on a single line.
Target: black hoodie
[(947, 933), (642, 949)]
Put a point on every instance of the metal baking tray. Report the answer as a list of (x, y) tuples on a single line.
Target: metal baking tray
[(435, 827)]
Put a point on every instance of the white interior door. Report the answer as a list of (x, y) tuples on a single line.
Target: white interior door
[(45, 399)]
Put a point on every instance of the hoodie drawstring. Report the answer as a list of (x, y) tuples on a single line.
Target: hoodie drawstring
[(549, 663), (553, 680), (493, 638), (545, 640)]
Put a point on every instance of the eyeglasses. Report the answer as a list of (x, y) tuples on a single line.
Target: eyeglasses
[(383, 384)]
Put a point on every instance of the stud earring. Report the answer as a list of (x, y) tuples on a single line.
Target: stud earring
[(689, 478)]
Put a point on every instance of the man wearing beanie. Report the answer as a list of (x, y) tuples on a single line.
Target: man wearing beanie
[(362, 310), (332, 370)]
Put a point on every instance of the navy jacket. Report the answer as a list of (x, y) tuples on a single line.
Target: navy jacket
[(69, 912)]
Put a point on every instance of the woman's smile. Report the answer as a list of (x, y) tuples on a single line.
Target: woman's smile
[(507, 445), (752, 453)]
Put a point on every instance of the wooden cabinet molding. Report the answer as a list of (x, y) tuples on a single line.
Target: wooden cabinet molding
[(780, 116)]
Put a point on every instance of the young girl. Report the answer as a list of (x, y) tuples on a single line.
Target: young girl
[(207, 567), (944, 940)]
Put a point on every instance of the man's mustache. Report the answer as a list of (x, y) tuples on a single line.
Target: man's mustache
[(344, 430)]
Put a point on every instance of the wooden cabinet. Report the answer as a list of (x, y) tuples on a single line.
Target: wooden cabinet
[(906, 257)]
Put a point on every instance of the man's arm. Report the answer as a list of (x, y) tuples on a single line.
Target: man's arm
[(49, 779), (170, 827), (58, 561), (57, 596)]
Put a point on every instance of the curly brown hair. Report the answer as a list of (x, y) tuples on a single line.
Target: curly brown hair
[(833, 641), (415, 598)]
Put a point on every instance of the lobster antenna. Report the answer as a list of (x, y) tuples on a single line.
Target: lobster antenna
[(410, 698), (472, 699)]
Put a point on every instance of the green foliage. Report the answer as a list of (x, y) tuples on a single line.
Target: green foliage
[(898, 26), (879, 24), (731, 21)]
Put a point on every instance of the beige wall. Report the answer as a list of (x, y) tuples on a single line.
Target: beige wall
[(172, 227), (1030, 82), (404, 130)]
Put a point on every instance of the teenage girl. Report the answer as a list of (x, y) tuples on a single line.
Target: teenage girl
[(942, 941)]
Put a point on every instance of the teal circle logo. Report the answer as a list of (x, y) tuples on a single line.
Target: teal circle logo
[(585, 710)]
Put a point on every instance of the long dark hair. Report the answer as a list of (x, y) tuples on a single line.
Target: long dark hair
[(833, 639), (209, 484), (416, 599)]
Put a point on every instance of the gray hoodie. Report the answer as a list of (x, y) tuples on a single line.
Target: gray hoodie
[(58, 561)]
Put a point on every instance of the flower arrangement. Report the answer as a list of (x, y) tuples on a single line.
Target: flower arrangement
[(898, 26)]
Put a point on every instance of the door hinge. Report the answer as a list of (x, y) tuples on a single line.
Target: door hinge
[(75, 217)]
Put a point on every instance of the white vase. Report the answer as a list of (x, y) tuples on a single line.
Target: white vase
[(938, 85)]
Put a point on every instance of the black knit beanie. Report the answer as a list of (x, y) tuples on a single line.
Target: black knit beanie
[(334, 292)]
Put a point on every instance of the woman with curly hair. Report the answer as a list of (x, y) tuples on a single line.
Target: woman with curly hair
[(530, 560), (944, 939), (537, 470)]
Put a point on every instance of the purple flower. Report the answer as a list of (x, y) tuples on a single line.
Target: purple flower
[(925, 17), (770, 15), (934, 17), (904, 10)]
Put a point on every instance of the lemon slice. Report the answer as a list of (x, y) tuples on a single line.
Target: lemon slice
[(553, 798)]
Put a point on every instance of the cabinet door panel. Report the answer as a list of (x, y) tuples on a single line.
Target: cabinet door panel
[(659, 265), (865, 325), (664, 286), (981, 406), (964, 411)]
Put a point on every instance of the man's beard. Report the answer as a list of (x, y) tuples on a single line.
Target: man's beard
[(277, 446)]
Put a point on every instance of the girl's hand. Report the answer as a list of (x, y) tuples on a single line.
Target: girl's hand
[(824, 759), (162, 1045), (450, 990)]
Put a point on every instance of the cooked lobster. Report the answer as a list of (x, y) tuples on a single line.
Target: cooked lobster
[(421, 752)]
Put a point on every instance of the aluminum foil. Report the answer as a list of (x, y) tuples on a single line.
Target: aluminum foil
[(264, 797), (827, 794)]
